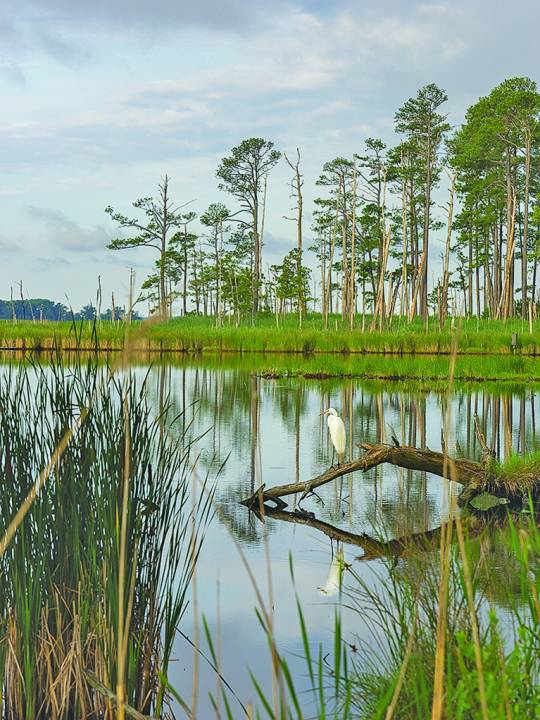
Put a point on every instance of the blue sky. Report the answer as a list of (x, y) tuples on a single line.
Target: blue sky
[(102, 97)]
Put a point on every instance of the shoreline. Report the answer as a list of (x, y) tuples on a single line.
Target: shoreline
[(53, 344), (420, 368)]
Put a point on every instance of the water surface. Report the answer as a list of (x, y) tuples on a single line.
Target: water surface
[(258, 431)]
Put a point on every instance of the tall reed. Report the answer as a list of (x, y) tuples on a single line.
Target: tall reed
[(492, 651), (99, 569)]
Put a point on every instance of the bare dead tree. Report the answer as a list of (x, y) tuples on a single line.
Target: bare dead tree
[(446, 275), (297, 183)]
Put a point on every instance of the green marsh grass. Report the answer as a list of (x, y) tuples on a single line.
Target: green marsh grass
[(517, 473), (101, 565), (517, 464), (199, 334)]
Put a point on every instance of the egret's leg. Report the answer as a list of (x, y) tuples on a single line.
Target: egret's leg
[(333, 454)]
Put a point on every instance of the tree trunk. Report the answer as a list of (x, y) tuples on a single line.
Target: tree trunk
[(344, 257), (533, 288), (164, 227), (328, 303), (496, 271), (256, 258), (446, 274), (404, 289), (417, 283), (413, 310), (219, 254), (301, 301), (477, 274), (470, 277), (324, 299), (488, 282), (427, 214), (525, 236), (352, 299), (297, 180), (378, 310), (505, 304)]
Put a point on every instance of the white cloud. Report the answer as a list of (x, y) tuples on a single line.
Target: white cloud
[(303, 54), (149, 16)]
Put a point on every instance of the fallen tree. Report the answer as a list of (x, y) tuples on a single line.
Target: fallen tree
[(475, 477)]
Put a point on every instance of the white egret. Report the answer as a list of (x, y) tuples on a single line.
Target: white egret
[(336, 428)]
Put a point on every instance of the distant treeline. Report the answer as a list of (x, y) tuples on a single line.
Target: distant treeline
[(43, 309)]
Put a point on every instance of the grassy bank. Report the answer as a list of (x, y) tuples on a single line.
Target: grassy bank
[(199, 334)]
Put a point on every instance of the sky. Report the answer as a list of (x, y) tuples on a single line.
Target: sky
[(101, 98)]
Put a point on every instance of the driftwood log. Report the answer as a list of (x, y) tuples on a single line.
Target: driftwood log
[(476, 477), (465, 472)]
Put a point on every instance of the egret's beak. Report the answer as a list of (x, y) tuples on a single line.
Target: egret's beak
[(324, 412)]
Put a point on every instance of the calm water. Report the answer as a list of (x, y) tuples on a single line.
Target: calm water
[(271, 432)]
